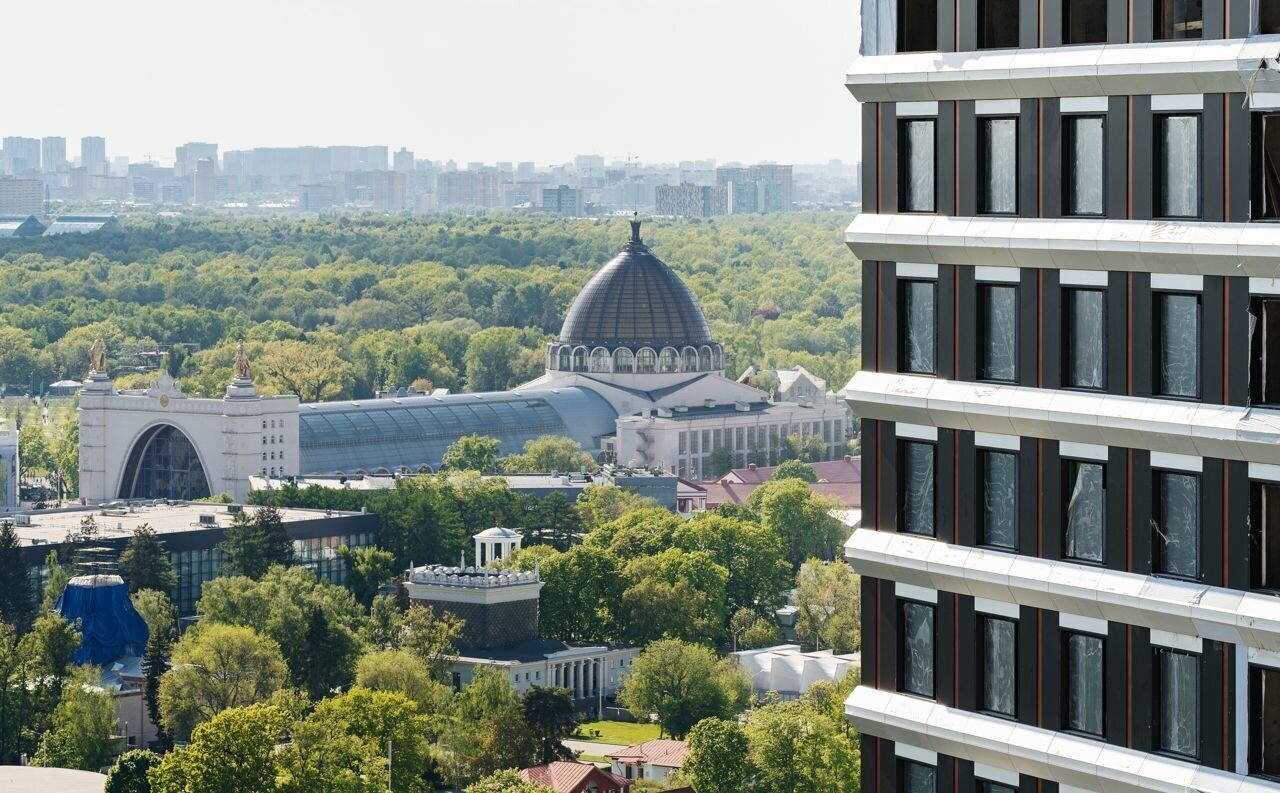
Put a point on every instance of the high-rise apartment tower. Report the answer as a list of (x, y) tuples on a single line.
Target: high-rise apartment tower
[(1070, 396)]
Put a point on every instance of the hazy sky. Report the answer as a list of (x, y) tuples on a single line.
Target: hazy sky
[(465, 79)]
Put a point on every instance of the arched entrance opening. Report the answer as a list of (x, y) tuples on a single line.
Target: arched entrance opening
[(164, 464)]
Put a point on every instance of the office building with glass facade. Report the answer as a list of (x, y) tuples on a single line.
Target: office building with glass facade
[(191, 532), (1070, 421)]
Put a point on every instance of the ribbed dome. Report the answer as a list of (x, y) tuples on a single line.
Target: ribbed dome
[(635, 300)]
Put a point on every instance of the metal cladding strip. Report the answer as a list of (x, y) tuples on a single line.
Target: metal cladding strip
[(1199, 66), (1180, 607), (1161, 425), (1044, 754), (1154, 246)]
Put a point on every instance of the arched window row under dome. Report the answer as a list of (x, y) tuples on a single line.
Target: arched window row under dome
[(629, 360)]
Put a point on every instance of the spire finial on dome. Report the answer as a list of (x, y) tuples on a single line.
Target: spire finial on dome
[(635, 227)]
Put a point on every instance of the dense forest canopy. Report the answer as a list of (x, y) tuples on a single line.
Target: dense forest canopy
[(338, 307)]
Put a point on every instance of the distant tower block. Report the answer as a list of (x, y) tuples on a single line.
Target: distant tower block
[(497, 607)]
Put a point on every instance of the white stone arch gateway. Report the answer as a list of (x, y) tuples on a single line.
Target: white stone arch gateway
[(159, 443)]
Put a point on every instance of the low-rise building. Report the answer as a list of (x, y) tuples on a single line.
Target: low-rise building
[(499, 611), (8, 466), (81, 224), (20, 226), (575, 776), (787, 670), (191, 532), (653, 760)]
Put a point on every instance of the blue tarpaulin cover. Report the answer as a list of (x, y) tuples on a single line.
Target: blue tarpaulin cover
[(109, 625)]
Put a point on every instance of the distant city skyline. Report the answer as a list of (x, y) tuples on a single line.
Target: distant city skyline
[(487, 80)]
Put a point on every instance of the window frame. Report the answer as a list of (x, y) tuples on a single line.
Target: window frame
[(1258, 546), (1157, 182), (1260, 363), (1158, 312), (1066, 27), (983, 621), (1255, 679), (1158, 701), (903, 635), (1158, 520), (904, 159), (984, 540), (900, 32), (1069, 188), (1068, 322), (984, 176), (1068, 468), (982, 12), (1258, 203), (903, 444), (1158, 18), (904, 764), (904, 323), (984, 289), (1066, 687)]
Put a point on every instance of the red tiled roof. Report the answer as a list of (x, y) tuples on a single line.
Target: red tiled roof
[(571, 776), (842, 471), (665, 752), (849, 495)]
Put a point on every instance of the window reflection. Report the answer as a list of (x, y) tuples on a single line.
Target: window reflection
[(1086, 511), (1177, 525), (919, 332), (1084, 683), (999, 665), (1178, 366), (999, 499), (1085, 338), (916, 652), (998, 327), (916, 484)]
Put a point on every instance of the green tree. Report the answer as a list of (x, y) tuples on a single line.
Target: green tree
[(601, 504), (129, 774), (549, 713), (155, 662), (324, 756), (48, 647), (797, 749), (675, 594), (174, 358), (379, 718), (829, 605), (491, 359), (56, 577), (156, 610), (81, 730), (15, 695), (486, 731), (15, 583), (367, 570), (796, 469), (800, 519), (752, 555), (719, 463), (232, 752), (248, 549), (581, 591), (549, 454), (314, 372), (508, 781), (280, 606), (718, 760), (684, 683), (750, 631), (216, 667), (145, 562), (403, 672), (432, 637), (640, 532), (472, 453)]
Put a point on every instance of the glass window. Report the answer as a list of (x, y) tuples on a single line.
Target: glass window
[(918, 778), (999, 665), (919, 326), (1264, 721), (1086, 511), (1178, 345), (916, 488), (997, 24), (1178, 19), (1177, 526), (1266, 165), (915, 657), (1084, 151), (1178, 166), (998, 165), (1264, 350), (999, 498), (1085, 338), (1264, 534), (998, 332), (1178, 681), (1084, 21), (1084, 670), (917, 25), (917, 165), (994, 787)]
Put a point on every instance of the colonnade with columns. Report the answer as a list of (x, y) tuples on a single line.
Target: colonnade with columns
[(584, 677)]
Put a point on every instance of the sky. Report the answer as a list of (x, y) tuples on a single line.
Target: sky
[(485, 80)]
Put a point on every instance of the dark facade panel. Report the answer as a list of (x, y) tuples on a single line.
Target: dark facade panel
[(887, 189), (968, 495), (887, 492), (1138, 496), (1117, 672), (946, 158), (1212, 340), (1238, 550), (947, 316), (1052, 185), (1236, 374), (1118, 333), (945, 486), (1237, 134), (870, 157), (1050, 332), (887, 312), (1116, 554), (1116, 158), (967, 167), (870, 472), (1141, 336), (1212, 514), (1141, 170), (1212, 151), (1028, 158), (966, 365)]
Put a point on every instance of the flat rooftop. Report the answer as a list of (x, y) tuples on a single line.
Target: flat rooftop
[(51, 526)]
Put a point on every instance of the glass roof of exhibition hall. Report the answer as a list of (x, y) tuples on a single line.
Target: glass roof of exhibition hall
[(411, 432)]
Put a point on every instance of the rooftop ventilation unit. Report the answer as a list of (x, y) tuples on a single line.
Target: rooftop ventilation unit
[(208, 520)]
